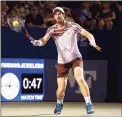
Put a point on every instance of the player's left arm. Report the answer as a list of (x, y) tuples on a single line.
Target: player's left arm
[(91, 39)]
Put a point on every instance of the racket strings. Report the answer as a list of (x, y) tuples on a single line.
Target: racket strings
[(15, 22)]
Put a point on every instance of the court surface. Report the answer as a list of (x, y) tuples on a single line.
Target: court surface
[(71, 109)]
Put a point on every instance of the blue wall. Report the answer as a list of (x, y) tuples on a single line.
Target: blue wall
[(16, 45)]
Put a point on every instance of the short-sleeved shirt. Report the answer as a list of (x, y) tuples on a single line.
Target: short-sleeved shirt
[(38, 20), (66, 41)]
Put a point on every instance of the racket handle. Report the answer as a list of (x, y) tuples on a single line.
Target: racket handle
[(27, 34), (31, 38)]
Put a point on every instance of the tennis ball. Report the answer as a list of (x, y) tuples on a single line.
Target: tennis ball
[(15, 23)]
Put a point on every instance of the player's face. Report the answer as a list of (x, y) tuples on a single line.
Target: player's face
[(58, 16)]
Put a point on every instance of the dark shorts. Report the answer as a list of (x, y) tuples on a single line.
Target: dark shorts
[(63, 69)]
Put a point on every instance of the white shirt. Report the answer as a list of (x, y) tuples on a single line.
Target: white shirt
[(66, 41)]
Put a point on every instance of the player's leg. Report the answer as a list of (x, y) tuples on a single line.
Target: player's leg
[(79, 76), (60, 93), (62, 75)]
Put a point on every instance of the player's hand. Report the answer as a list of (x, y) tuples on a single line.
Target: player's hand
[(96, 47), (35, 42)]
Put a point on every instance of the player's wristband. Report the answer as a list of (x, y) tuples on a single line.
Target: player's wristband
[(92, 41), (40, 43)]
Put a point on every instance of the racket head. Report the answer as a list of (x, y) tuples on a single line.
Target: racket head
[(15, 22)]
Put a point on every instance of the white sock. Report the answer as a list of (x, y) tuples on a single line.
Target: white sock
[(60, 101), (87, 99)]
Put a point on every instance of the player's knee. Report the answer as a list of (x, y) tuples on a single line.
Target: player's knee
[(78, 75), (61, 89), (80, 80)]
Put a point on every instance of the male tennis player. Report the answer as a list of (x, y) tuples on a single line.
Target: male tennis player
[(65, 37)]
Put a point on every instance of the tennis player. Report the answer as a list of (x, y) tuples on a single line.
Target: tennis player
[(65, 35)]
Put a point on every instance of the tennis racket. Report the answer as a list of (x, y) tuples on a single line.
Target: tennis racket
[(17, 24)]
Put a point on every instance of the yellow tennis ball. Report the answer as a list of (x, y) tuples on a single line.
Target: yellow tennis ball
[(15, 23)]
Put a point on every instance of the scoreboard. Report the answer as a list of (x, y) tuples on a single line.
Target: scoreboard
[(22, 79)]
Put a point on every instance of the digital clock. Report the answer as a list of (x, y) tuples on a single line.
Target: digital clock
[(22, 79), (32, 83)]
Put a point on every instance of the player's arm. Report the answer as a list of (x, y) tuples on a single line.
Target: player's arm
[(42, 41), (91, 39)]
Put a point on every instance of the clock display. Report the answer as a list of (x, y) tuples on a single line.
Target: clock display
[(22, 79), (9, 86), (32, 83)]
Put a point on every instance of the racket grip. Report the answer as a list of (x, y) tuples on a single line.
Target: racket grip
[(31, 38)]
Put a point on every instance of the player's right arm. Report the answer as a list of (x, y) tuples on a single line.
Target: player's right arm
[(42, 41)]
